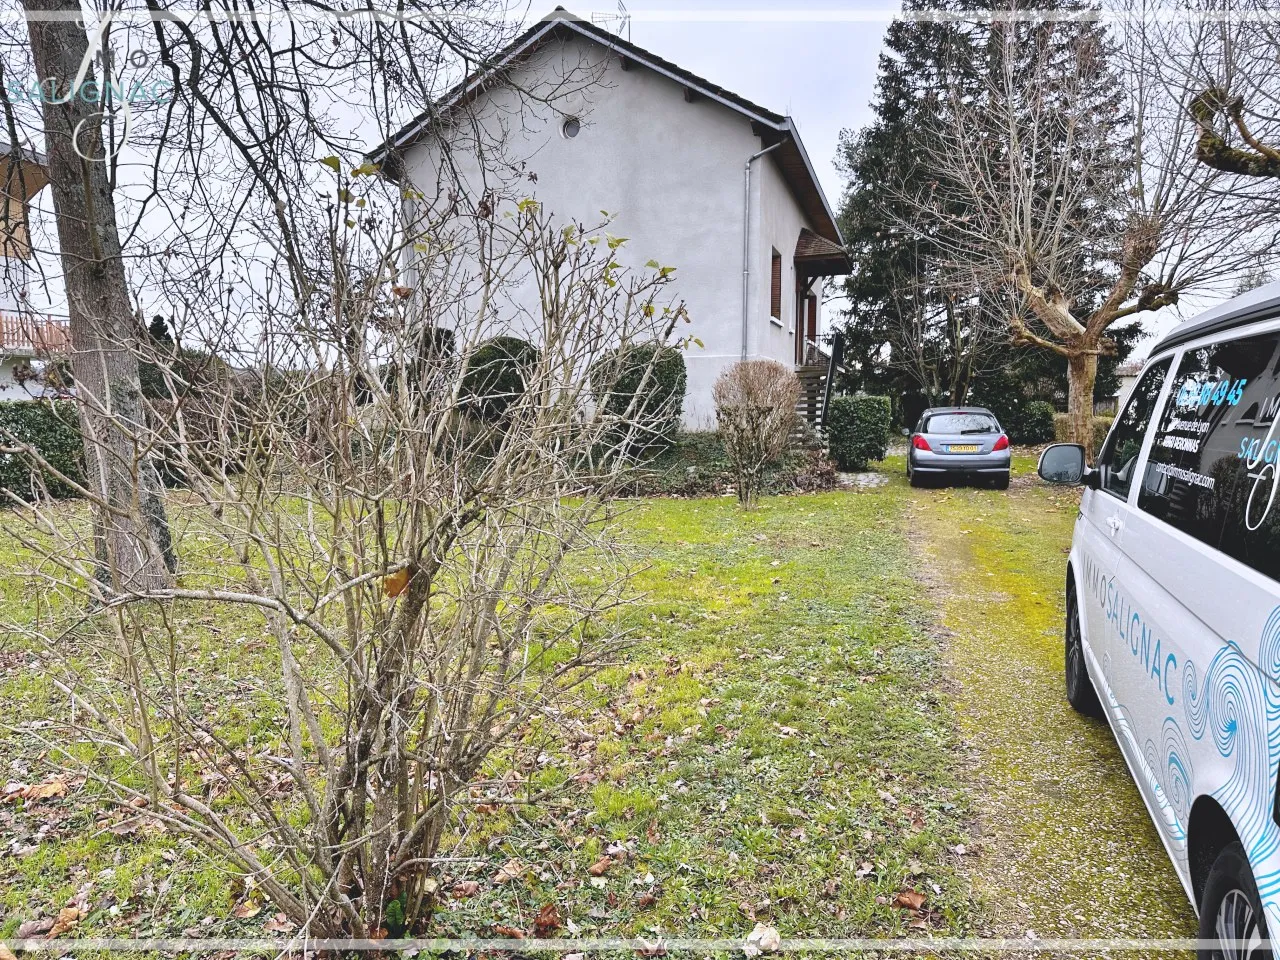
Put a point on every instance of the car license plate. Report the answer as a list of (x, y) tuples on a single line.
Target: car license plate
[(962, 448)]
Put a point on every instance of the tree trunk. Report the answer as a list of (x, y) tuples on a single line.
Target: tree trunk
[(1082, 371), (132, 532)]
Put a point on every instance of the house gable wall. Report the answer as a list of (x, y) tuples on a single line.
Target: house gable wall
[(669, 168)]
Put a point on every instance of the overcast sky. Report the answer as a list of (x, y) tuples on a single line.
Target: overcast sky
[(815, 60)]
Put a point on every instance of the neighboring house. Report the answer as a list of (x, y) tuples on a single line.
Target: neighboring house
[(26, 337), (697, 177), (1126, 376)]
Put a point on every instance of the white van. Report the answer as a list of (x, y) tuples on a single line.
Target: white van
[(1173, 605)]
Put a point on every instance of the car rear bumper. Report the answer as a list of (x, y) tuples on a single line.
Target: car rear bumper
[(958, 463)]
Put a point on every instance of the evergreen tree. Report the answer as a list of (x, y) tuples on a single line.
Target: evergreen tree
[(905, 329), (921, 308)]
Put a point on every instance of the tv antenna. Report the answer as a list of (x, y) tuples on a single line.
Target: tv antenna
[(619, 23)]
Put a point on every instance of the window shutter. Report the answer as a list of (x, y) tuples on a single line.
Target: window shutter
[(775, 287)]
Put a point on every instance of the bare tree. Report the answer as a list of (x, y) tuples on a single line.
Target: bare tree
[(183, 148), (1223, 55), (756, 416), (945, 336), (134, 542), (407, 554), (1083, 214)]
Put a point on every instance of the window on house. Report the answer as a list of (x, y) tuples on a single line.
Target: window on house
[(775, 287)]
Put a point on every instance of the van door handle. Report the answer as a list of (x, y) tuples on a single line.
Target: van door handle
[(1114, 524)]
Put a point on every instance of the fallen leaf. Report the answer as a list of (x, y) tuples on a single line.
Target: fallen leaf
[(34, 928), (402, 292), (909, 900), (547, 921), (575, 956), (598, 868), (38, 791), (648, 900), (863, 870), (7, 954), (465, 888), (502, 930), (509, 871), (278, 924), (762, 939), (67, 918), (247, 909)]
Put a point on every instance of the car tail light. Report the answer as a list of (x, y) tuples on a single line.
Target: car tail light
[(1002, 443), (920, 443)]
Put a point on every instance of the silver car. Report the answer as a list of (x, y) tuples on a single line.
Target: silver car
[(956, 442)]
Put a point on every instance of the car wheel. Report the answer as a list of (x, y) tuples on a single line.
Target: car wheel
[(1231, 910), (1002, 482), (1080, 693), (915, 479)]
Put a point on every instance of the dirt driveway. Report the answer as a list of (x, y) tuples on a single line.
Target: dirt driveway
[(1065, 845)]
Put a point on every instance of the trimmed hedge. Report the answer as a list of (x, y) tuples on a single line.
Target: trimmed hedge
[(858, 430), (1034, 424), (495, 376), (52, 429), (696, 465), (1062, 429), (616, 376)]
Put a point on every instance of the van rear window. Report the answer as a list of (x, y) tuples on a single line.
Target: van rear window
[(1212, 470)]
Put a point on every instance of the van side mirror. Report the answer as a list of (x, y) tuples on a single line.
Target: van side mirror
[(1063, 463)]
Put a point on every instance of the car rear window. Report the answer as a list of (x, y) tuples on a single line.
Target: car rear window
[(960, 423), (1212, 470)]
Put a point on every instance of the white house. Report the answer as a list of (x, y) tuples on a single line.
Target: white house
[(697, 177), (26, 336)]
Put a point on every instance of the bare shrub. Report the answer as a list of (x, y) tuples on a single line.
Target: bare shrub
[(756, 415), (386, 571)]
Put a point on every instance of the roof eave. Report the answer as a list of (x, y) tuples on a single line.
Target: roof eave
[(794, 133), (472, 85)]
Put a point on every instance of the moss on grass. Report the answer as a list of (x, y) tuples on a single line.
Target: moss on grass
[(1066, 846)]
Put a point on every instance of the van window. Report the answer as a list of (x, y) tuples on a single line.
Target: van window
[(1119, 456), (1212, 468)]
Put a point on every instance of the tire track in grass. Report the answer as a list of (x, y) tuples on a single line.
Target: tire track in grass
[(1065, 847)]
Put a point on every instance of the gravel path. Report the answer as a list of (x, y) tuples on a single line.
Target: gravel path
[(1064, 844)]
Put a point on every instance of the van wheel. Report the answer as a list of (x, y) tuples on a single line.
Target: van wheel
[(1232, 910), (1080, 693)]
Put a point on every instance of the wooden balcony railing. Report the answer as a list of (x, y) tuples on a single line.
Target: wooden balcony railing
[(33, 334)]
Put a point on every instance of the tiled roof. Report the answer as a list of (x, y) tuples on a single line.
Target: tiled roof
[(812, 245)]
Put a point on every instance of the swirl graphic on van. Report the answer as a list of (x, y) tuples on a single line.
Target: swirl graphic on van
[(1173, 760), (1240, 710)]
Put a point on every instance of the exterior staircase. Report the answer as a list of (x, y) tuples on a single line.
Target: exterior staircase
[(816, 377), (813, 389)]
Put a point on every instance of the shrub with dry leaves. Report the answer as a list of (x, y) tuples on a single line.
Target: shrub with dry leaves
[(756, 416)]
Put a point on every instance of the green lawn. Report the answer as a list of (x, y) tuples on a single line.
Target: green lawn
[(774, 748), (835, 703)]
